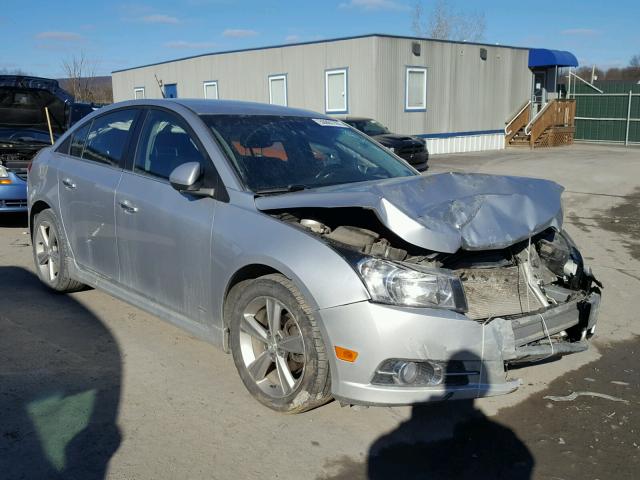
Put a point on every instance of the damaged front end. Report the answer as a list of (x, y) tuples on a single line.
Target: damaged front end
[(536, 295)]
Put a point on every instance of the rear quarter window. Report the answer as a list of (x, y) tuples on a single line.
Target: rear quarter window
[(64, 146), (108, 137), (78, 139)]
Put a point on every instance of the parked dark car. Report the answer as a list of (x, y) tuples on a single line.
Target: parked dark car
[(412, 149), (24, 130)]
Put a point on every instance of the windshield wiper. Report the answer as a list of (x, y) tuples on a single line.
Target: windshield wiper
[(284, 189)]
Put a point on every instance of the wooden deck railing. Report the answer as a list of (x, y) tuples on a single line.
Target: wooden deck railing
[(557, 113), (517, 122)]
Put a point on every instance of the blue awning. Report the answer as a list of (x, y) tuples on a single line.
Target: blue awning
[(541, 57)]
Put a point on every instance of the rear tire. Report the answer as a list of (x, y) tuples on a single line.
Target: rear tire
[(50, 253), (277, 346)]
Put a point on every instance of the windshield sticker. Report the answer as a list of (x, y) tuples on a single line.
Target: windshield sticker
[(325, 122)]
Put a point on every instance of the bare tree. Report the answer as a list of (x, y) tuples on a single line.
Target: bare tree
[(80, 72), (447, 23), (12, 71), (635, 61)]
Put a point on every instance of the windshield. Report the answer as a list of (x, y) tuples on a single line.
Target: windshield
[(24, 135), (23, 108), (370, 127), (292, 153)]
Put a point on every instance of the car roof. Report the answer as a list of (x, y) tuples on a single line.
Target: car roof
[(224, 107)]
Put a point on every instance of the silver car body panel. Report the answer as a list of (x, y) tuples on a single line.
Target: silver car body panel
[(86, 191), (176, 254), (163, 236), (445, 212)]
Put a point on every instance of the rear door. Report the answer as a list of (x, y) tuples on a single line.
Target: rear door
[(164, 236), (87, 181)]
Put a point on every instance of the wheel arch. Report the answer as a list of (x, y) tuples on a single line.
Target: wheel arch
[(253, 271), (36, 208)]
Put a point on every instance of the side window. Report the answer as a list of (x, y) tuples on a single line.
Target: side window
[(78, 139), (164, 145), (108, 137), (64, 146)]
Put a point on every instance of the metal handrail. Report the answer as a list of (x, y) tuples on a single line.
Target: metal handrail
[(585, 82), (527, 128), (513, 119)]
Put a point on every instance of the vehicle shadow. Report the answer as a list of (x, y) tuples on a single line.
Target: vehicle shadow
[(60, 380), (14, 220), (447, 440), (443, 440)]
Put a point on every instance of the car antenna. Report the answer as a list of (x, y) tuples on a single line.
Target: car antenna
[(159, 85)]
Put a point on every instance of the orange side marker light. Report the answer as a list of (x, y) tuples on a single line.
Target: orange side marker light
[(346, 355)]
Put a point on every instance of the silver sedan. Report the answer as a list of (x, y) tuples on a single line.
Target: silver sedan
[(326, 265)]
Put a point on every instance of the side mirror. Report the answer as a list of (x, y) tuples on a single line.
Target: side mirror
[(185, 178)]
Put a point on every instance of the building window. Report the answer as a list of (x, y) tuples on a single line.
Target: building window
[(335, 94), (210, 90), (138, 93), (171, 90), (278, 90), (416, 89)]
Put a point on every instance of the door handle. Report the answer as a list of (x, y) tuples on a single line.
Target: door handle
[(128, 207), (68, 184)]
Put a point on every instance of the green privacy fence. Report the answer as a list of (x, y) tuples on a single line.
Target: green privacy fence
[(610, 116)]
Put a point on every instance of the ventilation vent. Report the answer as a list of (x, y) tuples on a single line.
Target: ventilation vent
[(483, 53), (415, 48)]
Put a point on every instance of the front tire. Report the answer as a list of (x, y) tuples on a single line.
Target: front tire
[(277, 346), (50, 253)]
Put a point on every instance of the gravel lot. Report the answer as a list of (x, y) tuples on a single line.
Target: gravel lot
[(91, 387)]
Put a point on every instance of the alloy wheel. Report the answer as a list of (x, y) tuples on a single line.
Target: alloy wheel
[(47, 252), (272, 346)]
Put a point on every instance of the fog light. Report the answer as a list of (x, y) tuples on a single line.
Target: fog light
[(433, 373), (409, 373)]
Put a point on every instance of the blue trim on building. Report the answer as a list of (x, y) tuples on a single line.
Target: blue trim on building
[(314, 42), (459, 134)]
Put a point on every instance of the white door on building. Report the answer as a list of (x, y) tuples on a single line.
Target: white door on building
[(211, 90), (278, 90), (336, 91)]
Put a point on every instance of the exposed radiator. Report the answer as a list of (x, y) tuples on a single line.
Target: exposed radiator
[(494, 292)]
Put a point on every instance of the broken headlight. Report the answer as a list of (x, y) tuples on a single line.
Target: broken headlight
[(561, 255), (411, 285)]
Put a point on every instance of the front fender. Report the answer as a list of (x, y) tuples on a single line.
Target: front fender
[(245, 237)]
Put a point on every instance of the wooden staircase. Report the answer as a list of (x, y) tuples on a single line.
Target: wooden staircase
[(552, 126)]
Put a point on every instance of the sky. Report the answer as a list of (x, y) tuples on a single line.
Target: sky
[(37, 36)]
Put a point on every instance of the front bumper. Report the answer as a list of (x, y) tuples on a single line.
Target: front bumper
[(417, 160), (13, 196), (380, 332)]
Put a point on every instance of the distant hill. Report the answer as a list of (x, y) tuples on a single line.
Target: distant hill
[(100, 88)]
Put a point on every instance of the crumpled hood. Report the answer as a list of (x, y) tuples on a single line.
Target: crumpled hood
[(444, 212)]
